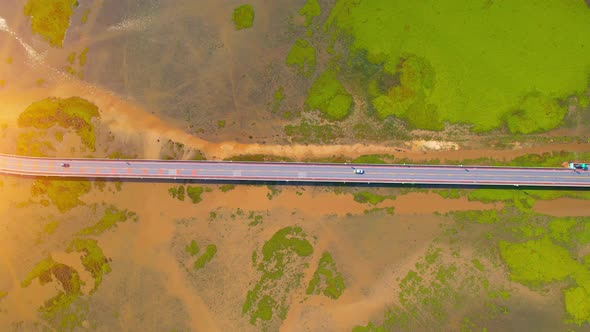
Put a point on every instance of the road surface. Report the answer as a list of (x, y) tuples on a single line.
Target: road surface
[(293, 172)]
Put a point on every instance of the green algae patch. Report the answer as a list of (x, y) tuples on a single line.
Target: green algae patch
[(406, 97), (302, 56), (177, 192), (64, 194), (194, 193), (278, 98), (50, 18), (93, 259), (326, 279), (243, 17), (3, 294), (192, 248), (368, 197), (206, 257), (84, 18), (577, 304), (281, 263), (537, 261), (487, 57), (227, 187), (535, 113), (311, 9), (72, 113), (63, 312), (329, 96), (112, 216)]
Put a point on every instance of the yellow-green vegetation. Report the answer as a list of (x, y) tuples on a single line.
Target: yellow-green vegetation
[(538, 250), (111, 217), (255, 219), (278, 98), (283, 258), (64, 194), (220, 124), (177, 192), (326, 278), (40, 82), (328, 96), (50, 227), (93, 258), (439, 286), (408, 98), (302, 56), (84, 18), (461, 65), (537, 261), (61, 310), (3, 294), (311, 132), (243, 17), (388, 210), (194, 193), (71, 58), (50, 18), (83, 56), (31, 144), (310, 10), (192, 248), (9, 60), (206, 257), (73, 112), (226, 187), (371, 198), (273, 192)]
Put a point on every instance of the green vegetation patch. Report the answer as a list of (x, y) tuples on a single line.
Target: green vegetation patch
[(50, 18), (326, 279), (328, 96), (206, 257), (484, 68), (537, 261), (63, 311), (368, 197), (407, 97), (93, 258), (283, 257), (227, 187), (74, 112), (243, 17), (64, 194), (177, 192), (192, 248), (310, 10), (111, 217), (302, 56), (194, 193)]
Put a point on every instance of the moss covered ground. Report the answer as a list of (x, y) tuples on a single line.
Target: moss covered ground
[(484, 63), (50, 18), (281, 260), (328, 96), (71, 113), (302, 56), (326, 279), (112, 216), (243, 17), (93, 258), (64, 194)]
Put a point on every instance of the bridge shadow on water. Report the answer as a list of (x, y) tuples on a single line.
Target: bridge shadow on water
[(313, 184)]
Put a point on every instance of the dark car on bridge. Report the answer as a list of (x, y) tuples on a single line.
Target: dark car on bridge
[(65, 165)]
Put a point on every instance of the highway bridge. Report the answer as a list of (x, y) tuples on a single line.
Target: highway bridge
[(293, 172)]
